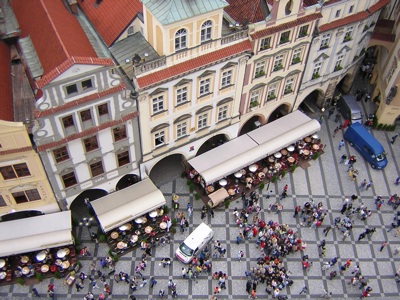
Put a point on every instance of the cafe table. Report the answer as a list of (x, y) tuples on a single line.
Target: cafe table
[(306, 152), (58, 262), (284, 152), (114, 235), (223, 182), (24, 259), (2, 275), (315, 147), (253, 168), (271, 159), (41, 256), (231, 192), (61, 253), (261, 175), (291, 159), (307, 139), (44, 268), (135, 238), (65, 264), (140, 221), (121, 245), (153, 214), (25, 270), (148, 229), (126, 226), (315, 136), (163, 225), (2, 263), (278, 155), (210, 189), (290, 148), (238, 174)]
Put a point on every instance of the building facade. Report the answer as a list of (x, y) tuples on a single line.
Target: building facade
[(23, 182)]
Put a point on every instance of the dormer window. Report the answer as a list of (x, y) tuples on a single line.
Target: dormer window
[(206, 31), (180, 39)]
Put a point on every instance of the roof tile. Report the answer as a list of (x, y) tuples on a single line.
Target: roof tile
[(285, 26), (6, 101), (192, 64), (111, 17), (344, 21), (241, 10), (377, 6)]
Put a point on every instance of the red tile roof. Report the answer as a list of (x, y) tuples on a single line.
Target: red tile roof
[(193, 64), (6, 101), (87, 132), (16, 150), (344, 21), (241, 10), (39, 114), (378, 6), (309, 2), (55, 33), (285, 26), (111, 17)]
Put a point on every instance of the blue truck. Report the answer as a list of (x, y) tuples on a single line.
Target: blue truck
[(368, 146)]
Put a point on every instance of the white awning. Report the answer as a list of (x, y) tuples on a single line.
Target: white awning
[(268, 139), (125, 205), (35, 233)]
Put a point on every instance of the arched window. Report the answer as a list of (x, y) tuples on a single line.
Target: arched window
[(180, 39), (206, 31)]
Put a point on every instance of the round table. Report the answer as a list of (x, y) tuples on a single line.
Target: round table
[(253, 168), (160, 212), (58, 262), (278, 155), (278, 166), (41, 256), (134, 238), (238, 174), (153, 214), (307, 139), (114, 235), (2, 275), (284, 152), (223, 182), (140, 221), (25, 270), (306, 152), (24, 259), (243, 171), (315, 147), (261, 175), (231, 192), (148, 229), (124, 227), (290, 148), (2, 263), (163, 225), (44, 268), (65, 264), (61, 253), (121, 245), (315, 136), (249, 180), (210, 189), (291, 159), (271, 159)]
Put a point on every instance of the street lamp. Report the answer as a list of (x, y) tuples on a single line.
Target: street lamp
[(322, 115), (87, 222)]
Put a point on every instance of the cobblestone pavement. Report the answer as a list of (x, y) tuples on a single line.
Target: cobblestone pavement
[(324, 181)]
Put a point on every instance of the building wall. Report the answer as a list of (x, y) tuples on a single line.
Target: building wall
[(23, 181)]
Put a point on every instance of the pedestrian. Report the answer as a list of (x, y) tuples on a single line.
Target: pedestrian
[(239, 238), (322, 244), (383, 245), (335, 131), (153, 282), (240, 255), (394, 139), (332, 275), (253, 294), (337, 118), (326, 230), (368, 185), (323, 250), (161, 294), (396, 251), (361, 236), (35, 292), (276, 293), (78, 286), (297, 209), (342, 158), (397, 182), (303, 290), (363, 185), (341, 144), (248, 287), (203, 212), (217, 290), (344, 208), (331, 111), (189, 209)]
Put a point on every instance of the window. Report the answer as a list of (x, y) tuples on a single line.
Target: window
[(180, 39), (71, 89), (284, 37), (206, 31), (265, 43), (204, 87), (278, 62), (103, 109), (337, 15), (86, 115), (303, 31), (289, 86), (202, 121), (86, 84), (338, 64), (296, 58), (254, 98), (123, 158), (158, 104), (226, 78), (271, 94), (159, 138), (91, 143), (15, 171), (181, 95), (69, 179), (131, 30), (260, 69), (2, 201), (347, 36), (26, 196), (222, 112), (60, 154), (68, 122), (119, 133), (325, 41), (181, 130), (316, 70), (351, 9), (96, 168)]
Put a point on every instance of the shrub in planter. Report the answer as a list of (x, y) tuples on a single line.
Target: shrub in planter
[(273, 179), (283, 173), (172, 230), (293, 168), (316, 155), (227, 203), (102, 238), (20, 281), (183, 174), (57, 275), (188, 182), (191, 187), (77, 241), (75, 222), (166, 209), (261, 186), (174, 222), (197, 196), (379, 126), (39, 277)]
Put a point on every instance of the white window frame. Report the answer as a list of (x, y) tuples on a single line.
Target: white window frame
[(204, 86), (317, 69), (222, 112), (157, 104), (272, 91), (278, 61), (206, 31), (181, 95), (289, 86), (326, 38), (202, 121), (265, 43), (339, 61), (348, 34), (296, 54), (255, 98), (181, 130), (259, 68), (226, 78), (180, 39), (159, 138)]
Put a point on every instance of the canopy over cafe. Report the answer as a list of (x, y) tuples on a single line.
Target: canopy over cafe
[(39, 244), (256, 155), (131, 215)]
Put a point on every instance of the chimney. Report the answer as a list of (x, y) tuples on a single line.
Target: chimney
[(73, 6)]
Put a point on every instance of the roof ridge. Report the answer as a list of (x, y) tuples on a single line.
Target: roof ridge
[(54, 28)]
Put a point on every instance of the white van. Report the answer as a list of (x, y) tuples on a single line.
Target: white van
[(194, 243)]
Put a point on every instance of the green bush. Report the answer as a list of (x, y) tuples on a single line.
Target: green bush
[(316, 155), (261, 186), (293, 168), (166, 209), (384, 127), (77, 241), (379, 126), (273, 179), (197, 196), (174, 221), (191, 187), (283, 173), (102, 238), (183, 174), (227, 203), (20, 281), (39, 276), (172, 230), (188, 182), (75, 222), (57, 275)]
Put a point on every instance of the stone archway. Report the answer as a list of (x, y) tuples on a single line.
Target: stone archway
[(344, 85), (20, 215), (79, 209), (211, 143), (279, 112), (251, 124), (167, 169), (126, 180), (313, 103)]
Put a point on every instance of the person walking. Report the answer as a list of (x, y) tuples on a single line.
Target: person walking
[(383, 245), (240, 255), (363, 185), (322, 244), (153, 282), (304, 290), (342, 158), (361, 236), (368, 185), (394, 139), (253, 294), (78, 286), (341, 144), (189, 209), (297, 209), (326, 230), (248, 287), (35, 292), (332, 275), (336, 131)]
